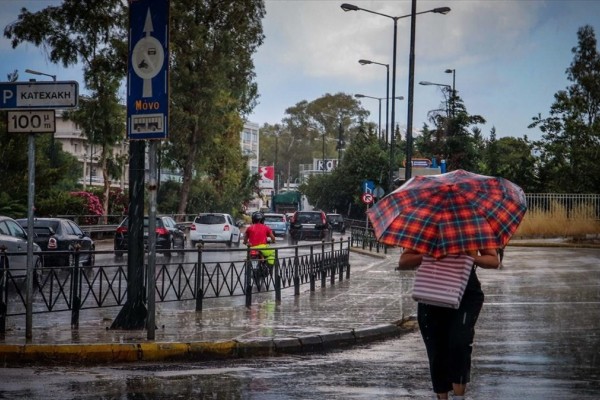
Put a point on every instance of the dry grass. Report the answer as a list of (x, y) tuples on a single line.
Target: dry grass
[(558, 223)]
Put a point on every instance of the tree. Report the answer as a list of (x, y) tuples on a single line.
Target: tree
[(340, 191), (212, 88), (513, 159), (570, 145), (91, 33), (461, 146)]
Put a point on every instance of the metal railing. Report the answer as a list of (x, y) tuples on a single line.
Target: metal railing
[(77, 288), (581, 205)]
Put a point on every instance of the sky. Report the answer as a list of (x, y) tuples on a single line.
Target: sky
[(510, 56)]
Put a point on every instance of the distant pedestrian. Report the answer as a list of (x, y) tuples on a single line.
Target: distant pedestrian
[(448, 333)]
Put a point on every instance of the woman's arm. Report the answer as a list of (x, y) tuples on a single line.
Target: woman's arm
[(487, 258), (409, 259)]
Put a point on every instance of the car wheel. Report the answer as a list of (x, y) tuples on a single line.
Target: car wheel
[(38, 273), (230, 242), (237, 244), (182, 252), (92, 258), (167, 252)]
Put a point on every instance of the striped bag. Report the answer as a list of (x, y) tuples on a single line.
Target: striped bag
[(442, 282)]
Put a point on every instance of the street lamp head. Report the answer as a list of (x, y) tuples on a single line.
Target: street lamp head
[(349, 7), (441, 10), (359, 96), (399, 97), (365, 62), (449, 71), (33, 72), (425, 83)]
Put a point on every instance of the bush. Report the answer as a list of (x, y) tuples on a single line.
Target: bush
[(93, 207)]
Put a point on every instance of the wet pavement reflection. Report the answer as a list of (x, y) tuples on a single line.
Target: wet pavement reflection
[(538, 337)]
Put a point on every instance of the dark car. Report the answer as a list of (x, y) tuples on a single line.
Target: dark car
[(336, 221), (58, 238), (169, 235), (309, 225)]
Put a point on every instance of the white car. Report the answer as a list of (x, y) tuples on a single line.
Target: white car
[(215, 228), (13, 239)]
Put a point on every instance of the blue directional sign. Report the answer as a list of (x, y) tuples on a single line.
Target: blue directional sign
[(32, 95), (147, 74), (368, 186)]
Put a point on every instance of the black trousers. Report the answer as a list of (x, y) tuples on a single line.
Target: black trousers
[(448, 335)]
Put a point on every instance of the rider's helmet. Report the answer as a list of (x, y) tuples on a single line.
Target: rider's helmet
[(258, 217)]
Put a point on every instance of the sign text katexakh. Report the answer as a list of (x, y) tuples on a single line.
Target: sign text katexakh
[(32, 95)]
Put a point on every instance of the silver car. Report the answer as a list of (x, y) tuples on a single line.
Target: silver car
[(215, 228), (13, 239)]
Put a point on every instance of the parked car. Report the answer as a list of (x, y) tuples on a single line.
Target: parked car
[(169, 235), (337, 223), (14, 240), (278, 223), (60, 236), (307, 225), (215, 228)]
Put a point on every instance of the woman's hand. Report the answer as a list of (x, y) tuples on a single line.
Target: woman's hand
[(409, 259)]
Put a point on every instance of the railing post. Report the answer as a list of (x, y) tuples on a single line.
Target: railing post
[(313, 273), (296, 273), (199, 279), (75, 289), (339, 265), (3, 290), (330, 265), (322, 268), (346, 259), (248, 275), (277, 277)]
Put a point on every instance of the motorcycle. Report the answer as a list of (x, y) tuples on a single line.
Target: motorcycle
[(260, 268)]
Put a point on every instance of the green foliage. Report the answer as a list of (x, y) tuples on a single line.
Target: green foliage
[(96, 38), (570, 145), (59, 202), (212, 86), (341, 190)]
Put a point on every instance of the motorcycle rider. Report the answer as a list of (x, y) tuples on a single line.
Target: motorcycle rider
[(256, 237)]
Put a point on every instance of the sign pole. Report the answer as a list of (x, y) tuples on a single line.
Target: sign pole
[(151, 283), (30, 209)]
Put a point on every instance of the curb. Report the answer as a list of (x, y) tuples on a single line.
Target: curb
[(368, 253), (196, 351)]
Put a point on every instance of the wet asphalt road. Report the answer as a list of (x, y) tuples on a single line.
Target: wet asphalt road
[(538, 337)]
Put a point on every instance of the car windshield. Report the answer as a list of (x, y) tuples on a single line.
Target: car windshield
[(159, 223), (273, 218), (210, 219), (335, 218), (309, 218)]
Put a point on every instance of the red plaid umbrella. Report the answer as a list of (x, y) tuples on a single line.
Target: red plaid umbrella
[(449, 213)]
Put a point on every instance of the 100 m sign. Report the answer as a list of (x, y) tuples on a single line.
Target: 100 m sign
[(34, 121)]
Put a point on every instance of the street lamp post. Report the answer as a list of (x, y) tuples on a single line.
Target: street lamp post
[(387, 95), (413, 14), (453, 72), (447, 87), (360, 96), (33, 72)]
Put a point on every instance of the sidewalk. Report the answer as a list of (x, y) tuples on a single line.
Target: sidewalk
[(373, 304), (364, 308)]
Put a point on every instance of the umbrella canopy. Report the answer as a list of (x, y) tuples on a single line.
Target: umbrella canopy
[(449, 213)]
